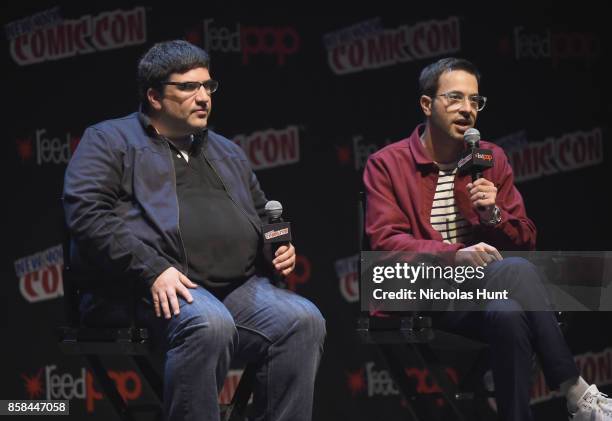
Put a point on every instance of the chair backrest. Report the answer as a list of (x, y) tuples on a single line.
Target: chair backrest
[(71, 292), (73, 281), (408, 320), (364, 242)]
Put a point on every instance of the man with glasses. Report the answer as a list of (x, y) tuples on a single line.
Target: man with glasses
[(417, 201), (158, 198)]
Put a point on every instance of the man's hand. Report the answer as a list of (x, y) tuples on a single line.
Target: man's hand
[(284, 260), (482, 195), (165, 288), (477, 255)]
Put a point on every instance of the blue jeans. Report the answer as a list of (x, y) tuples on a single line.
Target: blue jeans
[(514, 335), (278, 330)]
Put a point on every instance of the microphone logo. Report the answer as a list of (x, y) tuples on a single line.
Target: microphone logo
[(484, 156)]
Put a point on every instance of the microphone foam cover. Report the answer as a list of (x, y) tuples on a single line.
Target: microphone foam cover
[(274, 209), (471, 137)]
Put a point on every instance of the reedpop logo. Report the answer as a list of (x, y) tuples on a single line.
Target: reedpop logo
[(46, 149), (249, 40), (556, 46), (372, 382), (360, 152), (66, 386)]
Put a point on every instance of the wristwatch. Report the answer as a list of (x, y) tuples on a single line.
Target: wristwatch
[(495, 218)]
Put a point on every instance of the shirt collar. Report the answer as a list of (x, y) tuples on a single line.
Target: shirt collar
[(416, 146), (200, 138)]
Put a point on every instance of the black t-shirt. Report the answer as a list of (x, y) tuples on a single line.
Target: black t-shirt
[(220, 242)]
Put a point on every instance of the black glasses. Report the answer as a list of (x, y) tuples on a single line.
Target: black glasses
[(455, 99), (209, 85)]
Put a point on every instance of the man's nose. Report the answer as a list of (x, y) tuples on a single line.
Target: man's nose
[(466, 105), (202, 94)]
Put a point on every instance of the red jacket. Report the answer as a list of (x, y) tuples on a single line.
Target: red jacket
[(400, 182)]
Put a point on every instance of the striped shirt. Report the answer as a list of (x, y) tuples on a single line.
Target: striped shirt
[(445, 216)]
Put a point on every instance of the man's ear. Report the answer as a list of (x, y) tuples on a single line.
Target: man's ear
[(154, 97), (426, 103)]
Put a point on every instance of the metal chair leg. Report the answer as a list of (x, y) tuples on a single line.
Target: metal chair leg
[(236, 410), (397, 373), (150, 374)]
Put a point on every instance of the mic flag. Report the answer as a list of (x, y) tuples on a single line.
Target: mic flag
[(276, 230), (475, 160)]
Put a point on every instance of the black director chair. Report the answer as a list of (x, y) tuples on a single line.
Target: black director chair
[(413, 333), (131, 341)]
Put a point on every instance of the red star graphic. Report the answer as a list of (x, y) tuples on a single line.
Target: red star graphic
[(24, 148), (356, 381), (344, 154), (33, 384), (194, 36), (504, 47)]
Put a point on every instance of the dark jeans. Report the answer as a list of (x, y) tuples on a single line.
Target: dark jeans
[(515, 334), (278, 330)]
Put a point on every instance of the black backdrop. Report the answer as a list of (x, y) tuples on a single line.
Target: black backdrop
[(309, 98)]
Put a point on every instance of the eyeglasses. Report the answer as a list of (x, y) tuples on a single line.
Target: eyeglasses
[(455, 99), (209, 85)]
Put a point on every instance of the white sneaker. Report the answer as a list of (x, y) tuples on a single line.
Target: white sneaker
[(593, 406)]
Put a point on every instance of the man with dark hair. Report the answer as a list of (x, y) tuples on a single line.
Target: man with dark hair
[(417, 201), (158, 198)]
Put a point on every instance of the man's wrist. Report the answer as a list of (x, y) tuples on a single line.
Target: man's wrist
[(492, 218)]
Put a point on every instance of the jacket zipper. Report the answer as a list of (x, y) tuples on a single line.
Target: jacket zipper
[(228, 193), (178, 216)]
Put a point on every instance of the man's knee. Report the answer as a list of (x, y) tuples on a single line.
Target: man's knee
[(523, 281), (210, 330), (309, 322)]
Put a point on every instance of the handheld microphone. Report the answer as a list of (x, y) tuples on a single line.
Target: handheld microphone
[(474, 160), (276, 231)]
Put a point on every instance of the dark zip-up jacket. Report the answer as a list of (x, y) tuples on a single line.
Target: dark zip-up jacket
[(121, 205)]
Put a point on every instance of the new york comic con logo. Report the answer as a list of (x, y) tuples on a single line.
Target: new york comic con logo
[(50, 384), (85, 35), (553, 155), (347, 270), (271, 147), (40, 274), (367, 45)]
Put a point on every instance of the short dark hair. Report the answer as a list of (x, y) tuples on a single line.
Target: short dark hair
[(430, 75), (165, 58)]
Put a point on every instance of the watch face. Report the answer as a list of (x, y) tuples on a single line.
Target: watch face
[(496, 215), (495, 218)]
